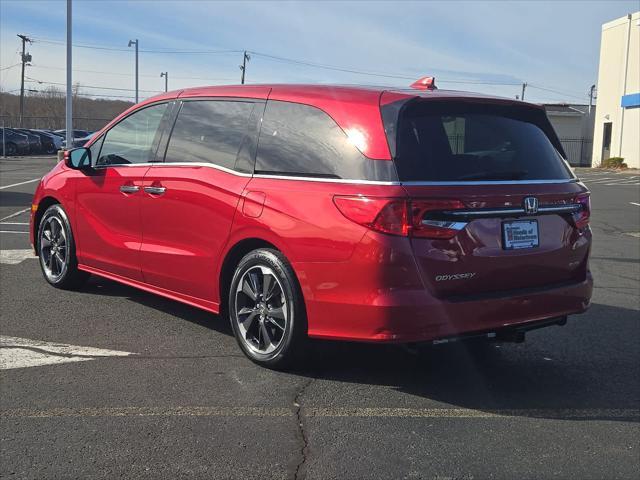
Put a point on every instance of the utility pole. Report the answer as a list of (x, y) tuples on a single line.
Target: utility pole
[(166, 80), (524, 85), (68, 117), (135, 42), (591, 96), (243, 67), (25, 58)]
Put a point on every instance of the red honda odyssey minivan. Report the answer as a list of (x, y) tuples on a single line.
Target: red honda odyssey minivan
[(351, 213)]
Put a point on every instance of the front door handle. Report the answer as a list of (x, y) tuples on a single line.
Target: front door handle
[(129, 188), (155, 190)]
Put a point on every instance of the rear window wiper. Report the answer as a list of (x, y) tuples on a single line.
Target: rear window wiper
[(509, 175)]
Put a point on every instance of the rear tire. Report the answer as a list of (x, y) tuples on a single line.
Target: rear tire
[(57, 250), (10, 148), (266, 309)]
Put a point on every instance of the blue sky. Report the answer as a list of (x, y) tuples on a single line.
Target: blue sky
[(466, 45)]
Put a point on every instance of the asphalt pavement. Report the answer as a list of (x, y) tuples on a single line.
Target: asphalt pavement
[(125, 384)]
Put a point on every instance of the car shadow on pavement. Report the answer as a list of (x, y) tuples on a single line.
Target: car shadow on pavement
[(592, 363), (15, 199)]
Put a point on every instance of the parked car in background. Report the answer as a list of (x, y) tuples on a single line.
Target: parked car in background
[(56, 139), (76, 133), (35, 145), (343, 213), (78, 142), (47, 145), (14, 143)]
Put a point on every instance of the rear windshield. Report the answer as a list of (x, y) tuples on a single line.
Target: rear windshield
[(458, 141)]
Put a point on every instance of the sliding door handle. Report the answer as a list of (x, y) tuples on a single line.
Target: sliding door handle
[(155, 190), (129, 188)]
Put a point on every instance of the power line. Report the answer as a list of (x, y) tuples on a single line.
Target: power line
[(91, 86), (583, 98), (147, 50), (293, 61), (373, 74), (10, 66), (274, 58), (48, 67)]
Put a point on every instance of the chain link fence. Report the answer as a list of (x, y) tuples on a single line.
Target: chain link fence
[(53, 123)]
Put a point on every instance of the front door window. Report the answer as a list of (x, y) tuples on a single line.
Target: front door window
[(134, 139)]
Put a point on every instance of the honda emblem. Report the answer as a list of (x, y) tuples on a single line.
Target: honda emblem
[(530, 205)]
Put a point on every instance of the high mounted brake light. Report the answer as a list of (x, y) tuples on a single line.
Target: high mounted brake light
[(425, 83)]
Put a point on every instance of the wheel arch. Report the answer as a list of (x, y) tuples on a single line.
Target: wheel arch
[(43, 204), (230, 262)]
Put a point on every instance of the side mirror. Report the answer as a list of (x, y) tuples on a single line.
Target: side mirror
[(78, 158)]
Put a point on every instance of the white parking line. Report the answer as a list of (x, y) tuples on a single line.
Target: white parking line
[(14, 223), (19, 212), (13, 257), (11, 231), (18, 184), (634, 203), (18, 352)]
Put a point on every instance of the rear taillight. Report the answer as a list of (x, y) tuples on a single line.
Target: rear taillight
[(581, 217), (397, 216), (387, 215), (425, 225)]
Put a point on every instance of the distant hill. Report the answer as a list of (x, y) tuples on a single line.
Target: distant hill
[(46, 109)]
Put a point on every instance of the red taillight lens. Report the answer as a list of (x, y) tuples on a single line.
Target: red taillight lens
[(581, 217), (387, 215), (424, 227), (399, 216)]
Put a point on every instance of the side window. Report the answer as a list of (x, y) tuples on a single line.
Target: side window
[(302, 140), (132, 140), (212, 131)]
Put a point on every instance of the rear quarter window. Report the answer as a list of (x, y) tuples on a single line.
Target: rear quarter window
[(301, 140), (458, 141)]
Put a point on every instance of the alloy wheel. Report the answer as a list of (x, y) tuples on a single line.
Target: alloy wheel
[(261, 310), (54, 248)]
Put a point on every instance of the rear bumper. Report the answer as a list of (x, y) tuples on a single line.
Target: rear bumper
[(414, 318), (378, 296)]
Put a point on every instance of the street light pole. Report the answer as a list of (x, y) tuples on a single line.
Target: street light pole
[(68, 117), (166, 80), (135, 42)]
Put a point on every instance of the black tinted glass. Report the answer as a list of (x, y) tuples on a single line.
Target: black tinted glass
[(133, 139), (210, 131), (301, 140), (438, 141)]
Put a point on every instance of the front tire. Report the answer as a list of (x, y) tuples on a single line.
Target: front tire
[(57, 250), (266, 309)]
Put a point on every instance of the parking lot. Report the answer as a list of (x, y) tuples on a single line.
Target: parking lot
[(115, 382)]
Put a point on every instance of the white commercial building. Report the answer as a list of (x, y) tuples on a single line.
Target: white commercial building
[(617, 123)]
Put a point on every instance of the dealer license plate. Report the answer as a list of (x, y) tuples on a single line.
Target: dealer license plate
[(520, 234)]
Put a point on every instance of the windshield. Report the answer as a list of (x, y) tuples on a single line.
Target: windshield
[(458, 141)]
